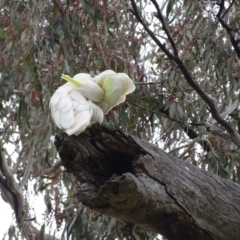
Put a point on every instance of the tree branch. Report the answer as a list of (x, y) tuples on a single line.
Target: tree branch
[(191, 133), (131, 180), (235, 137), (50, 170), (220, 16), (12, 194), (165, 29), (186, 128), (136, 13), (12, 187)]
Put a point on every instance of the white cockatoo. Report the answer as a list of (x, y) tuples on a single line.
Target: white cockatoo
[(72, 105), (115, 86), (83, 100), (85, 84)]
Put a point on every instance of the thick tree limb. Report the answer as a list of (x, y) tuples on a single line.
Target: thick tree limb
[(133, 181)]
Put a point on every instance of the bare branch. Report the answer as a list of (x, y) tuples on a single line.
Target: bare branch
[(191, 133), (235, 137), (12, 194), (13, 187), (151, 111), (136, 13), (220, 16), (229, 7), (7, 194), (165, 29), (216, 131)]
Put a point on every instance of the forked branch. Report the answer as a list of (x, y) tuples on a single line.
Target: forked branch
[(234, 136)]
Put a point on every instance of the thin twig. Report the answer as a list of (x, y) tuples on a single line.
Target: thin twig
[(59, 9), (158, 113), (50, 170), (147, 83), (151, 34)]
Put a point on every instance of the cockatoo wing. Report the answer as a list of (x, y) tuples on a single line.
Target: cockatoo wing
[(82, 113), (115, 86), (61, 107), (86, 113), (97, 113), (73, 112)]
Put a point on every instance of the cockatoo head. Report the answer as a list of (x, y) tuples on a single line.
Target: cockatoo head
[(115, 86), (84, 83)]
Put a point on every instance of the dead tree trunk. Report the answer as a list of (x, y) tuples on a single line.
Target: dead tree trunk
[(124, 177)]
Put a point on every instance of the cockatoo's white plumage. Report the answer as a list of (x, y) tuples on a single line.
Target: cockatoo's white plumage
[(115, 86), (72, 108), (86, 86), (83, 100)]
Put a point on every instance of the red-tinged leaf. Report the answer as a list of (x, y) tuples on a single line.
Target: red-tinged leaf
[(33, 95)]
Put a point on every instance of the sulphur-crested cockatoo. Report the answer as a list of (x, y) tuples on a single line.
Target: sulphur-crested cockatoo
[(72, 105), (83, 100), (115, 86)]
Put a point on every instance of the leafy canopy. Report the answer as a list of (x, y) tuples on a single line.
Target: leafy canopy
[(183, 57)]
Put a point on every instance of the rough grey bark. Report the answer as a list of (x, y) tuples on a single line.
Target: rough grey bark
[(124, 177)]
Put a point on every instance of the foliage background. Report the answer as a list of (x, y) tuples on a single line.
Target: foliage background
[(40, 40)]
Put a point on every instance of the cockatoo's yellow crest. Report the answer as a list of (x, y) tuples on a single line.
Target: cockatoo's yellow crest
[(69, 79), (84, 83)]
